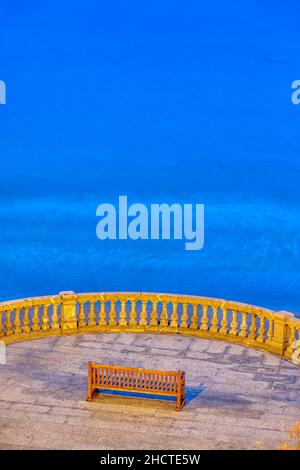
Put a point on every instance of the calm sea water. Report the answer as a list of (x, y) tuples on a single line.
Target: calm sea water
[(164, 104)]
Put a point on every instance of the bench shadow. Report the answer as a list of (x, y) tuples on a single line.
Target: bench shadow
[(191, 393)]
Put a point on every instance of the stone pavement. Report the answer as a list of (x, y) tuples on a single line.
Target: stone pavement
[(238, 398)]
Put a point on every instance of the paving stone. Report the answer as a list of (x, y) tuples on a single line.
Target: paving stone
[(237, 398)]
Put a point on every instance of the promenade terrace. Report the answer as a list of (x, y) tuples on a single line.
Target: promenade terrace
[(238, 394)]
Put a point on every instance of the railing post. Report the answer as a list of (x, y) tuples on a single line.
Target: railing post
[(68, 312), (281, 333)]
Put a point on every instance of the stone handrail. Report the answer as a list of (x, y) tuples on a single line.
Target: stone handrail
[(70, 313)]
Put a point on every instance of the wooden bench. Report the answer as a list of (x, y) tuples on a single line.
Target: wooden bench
[(142, 381)]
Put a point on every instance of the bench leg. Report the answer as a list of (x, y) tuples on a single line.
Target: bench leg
[(180, 404), (90, 387), (92, 394)]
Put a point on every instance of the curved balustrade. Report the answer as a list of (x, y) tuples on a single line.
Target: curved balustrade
[(68, 313)]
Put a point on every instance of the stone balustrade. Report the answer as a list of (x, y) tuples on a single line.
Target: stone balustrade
[(70, 313)]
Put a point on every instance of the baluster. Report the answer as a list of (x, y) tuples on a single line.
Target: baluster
[(214, 322), (143, 318), (270, 330), (184, 317), (244, 326), (123, 321), (45, 318), (224, 323), (17, 322), (194, 319), (8, 323), (262, 329), (154, 316), (35, 318), (55, 318), (133, 314), (298, 330), (26, 327), (81, 315), (1, 323), (112, 314), (296, 345), (204, 319), (164, 315), (102, 314), (174, 316), (252, 331), (92, 315), (234, 323)]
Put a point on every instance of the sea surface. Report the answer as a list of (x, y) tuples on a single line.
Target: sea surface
[(162, 102)]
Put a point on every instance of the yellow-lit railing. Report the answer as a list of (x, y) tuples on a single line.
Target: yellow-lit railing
[(69, 313)]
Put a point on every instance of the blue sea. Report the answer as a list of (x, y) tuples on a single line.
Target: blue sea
[(164, 102)]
